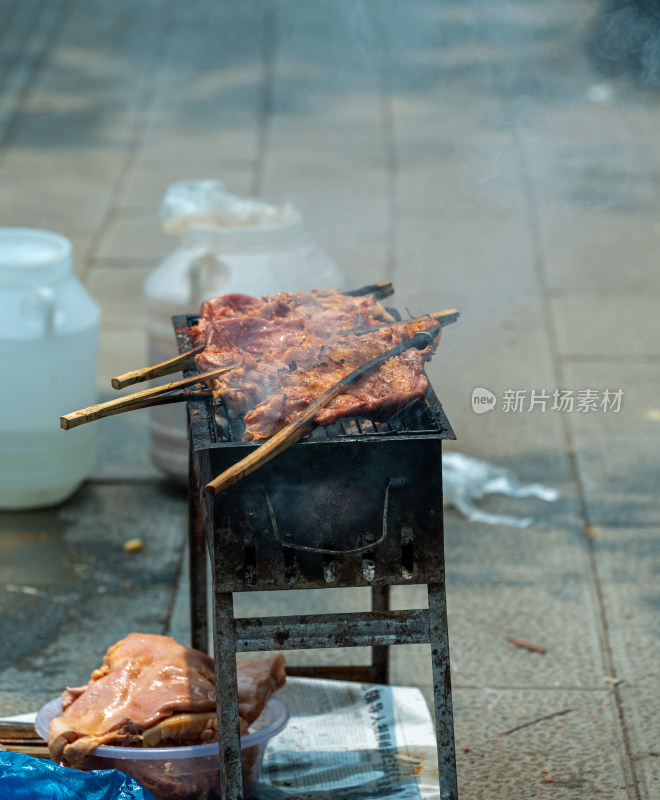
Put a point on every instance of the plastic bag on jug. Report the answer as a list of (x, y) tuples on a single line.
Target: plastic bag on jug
[(466, 479), (207, 202), (27, 778)]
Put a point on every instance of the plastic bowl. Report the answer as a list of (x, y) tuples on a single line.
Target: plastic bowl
[(181, 773)]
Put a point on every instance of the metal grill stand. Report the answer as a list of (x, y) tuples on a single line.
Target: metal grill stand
[(358, 504)]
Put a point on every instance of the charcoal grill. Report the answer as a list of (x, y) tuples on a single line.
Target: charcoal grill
[(356, 504)]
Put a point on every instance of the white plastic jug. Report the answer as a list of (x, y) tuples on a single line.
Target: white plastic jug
[(226, 244), (48, 358)]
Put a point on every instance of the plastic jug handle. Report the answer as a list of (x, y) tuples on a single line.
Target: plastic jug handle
[(204, 262), (42, 301)]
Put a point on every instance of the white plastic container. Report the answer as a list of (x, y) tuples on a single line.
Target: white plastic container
[(226, 244), (179, 773), (48, 357)]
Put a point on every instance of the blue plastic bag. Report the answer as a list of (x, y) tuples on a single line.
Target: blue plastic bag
[(26, 778)]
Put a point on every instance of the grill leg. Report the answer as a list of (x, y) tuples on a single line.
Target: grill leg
[(226, 689), (444, 715), (199, 629), (380, 673)]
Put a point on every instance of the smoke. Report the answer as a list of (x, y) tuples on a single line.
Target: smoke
[(626, 36)]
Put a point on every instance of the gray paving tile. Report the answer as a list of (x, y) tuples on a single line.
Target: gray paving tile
[(620, 476), (557, 615), (326, 95), (207, 128), (648, 774), (120, 350), (639, 412), (76, 589), (123, 445), (58, 202), (456, 179), (118, 287), (627, 556), (632, 601), (138, 235), (608, 327), (333, 188), (345, 205), (636, 652), (616, 452), (84, 167), (596, 211), (601, 249), (360, 251), (551, 549), (636, 647), (207, 92), (601, 166), (483, 268), (582, 751), (18, 701), (27, 32), (344, 128)]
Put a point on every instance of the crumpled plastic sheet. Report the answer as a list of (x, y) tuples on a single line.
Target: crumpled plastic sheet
[(466, 479), (207, 202), (24, 777)]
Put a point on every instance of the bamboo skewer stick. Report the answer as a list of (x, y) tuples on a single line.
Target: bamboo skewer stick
[(137, 400), (21, 737), (293, 432), (18, 730), (378, 290), (168, 367), (28, 748), (443, 317)]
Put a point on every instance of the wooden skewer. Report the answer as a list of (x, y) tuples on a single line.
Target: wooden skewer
[(137, 400), (293, 432), (23, 731), (443, 317), (379, 290), (28, 748), (168, 367)]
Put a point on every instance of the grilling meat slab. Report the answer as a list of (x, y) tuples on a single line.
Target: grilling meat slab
[(152, 691), (326, 310), (293, 347)]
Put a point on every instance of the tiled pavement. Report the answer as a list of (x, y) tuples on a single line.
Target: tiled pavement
[(471, 153)]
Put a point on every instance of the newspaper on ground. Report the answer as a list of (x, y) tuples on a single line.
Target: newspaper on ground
[(349, 740)]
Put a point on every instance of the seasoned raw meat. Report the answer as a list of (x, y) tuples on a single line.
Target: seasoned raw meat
[(393, 385), (290, 348), (325, 311), (146, 680), (262, 349)]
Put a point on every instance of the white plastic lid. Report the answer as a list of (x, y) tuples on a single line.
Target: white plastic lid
[(28, 254)]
